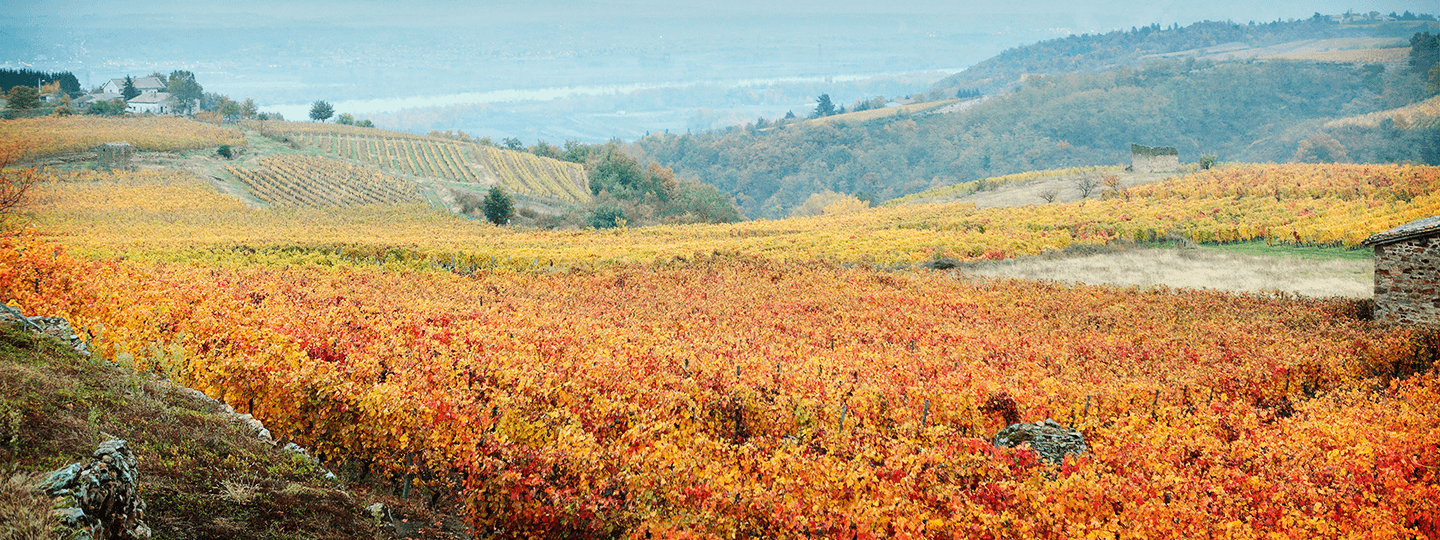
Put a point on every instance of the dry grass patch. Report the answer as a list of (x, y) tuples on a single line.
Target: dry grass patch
[(1201, 267)]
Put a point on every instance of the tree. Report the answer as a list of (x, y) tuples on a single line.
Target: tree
[(248, 109), (14, 187), (1085, 184), (321, 111), (184, 90), (230, 108), (365, 123), (114, 107), (345, 118), (607, 216), (499, 207), (23, 97), (823, 106), (1049, 195), (512, 143), (128, 90)]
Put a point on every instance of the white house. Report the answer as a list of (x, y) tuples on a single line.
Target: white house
[(151, 101), (117, 86)]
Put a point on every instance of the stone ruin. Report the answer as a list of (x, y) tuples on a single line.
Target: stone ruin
[(1049, 440), (1151, 159), (114, 155), (98, 500)]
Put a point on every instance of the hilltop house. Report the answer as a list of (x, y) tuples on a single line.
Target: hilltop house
[(151, 101), (1407, 272), (117, 86)]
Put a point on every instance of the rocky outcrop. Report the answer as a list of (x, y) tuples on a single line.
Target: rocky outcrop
[(54, 326), (98, 500), (1048, 439)]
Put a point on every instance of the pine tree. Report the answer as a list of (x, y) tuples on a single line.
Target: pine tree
[(128, 91), (824, 107)]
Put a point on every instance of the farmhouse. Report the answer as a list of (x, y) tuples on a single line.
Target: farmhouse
[(151, 101), (1407, 272), (116, 86)]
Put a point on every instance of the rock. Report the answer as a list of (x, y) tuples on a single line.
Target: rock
[(1048, 439), (942, 263), (98, 500), (54, 326)]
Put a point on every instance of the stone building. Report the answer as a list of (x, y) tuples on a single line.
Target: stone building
[(1407, 272), (114, 155), (1147, 159)]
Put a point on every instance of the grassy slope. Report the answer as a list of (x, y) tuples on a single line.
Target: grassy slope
[(202, 475), (864, 116)]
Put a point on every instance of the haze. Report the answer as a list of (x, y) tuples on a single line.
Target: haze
[(580, 70)]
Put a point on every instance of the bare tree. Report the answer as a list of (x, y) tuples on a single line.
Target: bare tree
[(14, 189), (1113, 186), (1086, 184), (1049, 195)]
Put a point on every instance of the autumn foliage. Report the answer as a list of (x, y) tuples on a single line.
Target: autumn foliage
[(724, 395), (770, 378), (55, 135)]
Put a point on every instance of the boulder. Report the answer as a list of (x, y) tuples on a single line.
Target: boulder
[(1048, 439), (98, 500)]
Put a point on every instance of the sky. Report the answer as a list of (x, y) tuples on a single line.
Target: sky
[(1094, 15)]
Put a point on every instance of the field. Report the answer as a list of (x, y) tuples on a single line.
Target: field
[(48, 136), (789, 379), (1278, 204), (444, 159), (1393, 56), (1425, 114), (872, 114)]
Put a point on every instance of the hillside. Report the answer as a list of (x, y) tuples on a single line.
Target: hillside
[(1271, 111), (289, 163), (1208, 40), (203, 472)]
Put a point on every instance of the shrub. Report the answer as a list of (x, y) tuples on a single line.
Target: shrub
[(607, 216), (225, 152)]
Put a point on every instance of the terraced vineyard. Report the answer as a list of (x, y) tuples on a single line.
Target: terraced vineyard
[(456, 161), (294, 180)]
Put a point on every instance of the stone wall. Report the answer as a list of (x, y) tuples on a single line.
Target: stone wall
[(1407, 281), (1148, 164)]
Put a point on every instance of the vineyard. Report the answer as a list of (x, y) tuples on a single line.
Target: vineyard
[(434, 157), (49, 136), (764, 379), (1393, 56), (728, 396), (297, 180), (1285, 204), (965, 188)]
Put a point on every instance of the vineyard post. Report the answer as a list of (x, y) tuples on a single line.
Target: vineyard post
[(1153, 403), (925, 414), (843, 410)]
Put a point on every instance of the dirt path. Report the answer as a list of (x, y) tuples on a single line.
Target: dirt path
[(1196, 268)]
